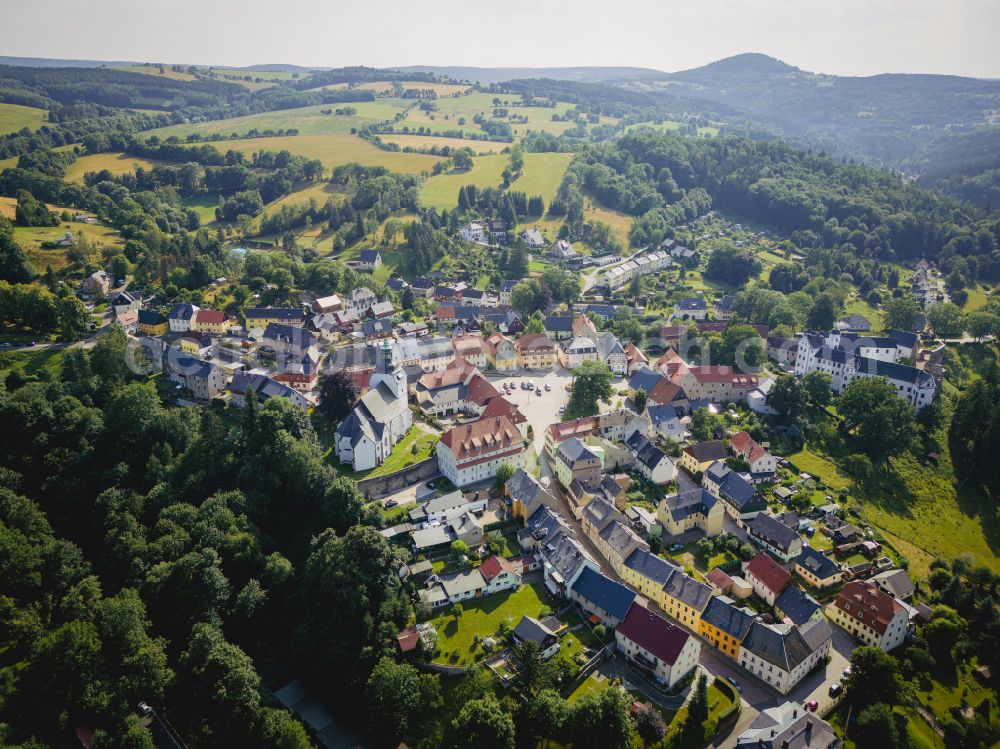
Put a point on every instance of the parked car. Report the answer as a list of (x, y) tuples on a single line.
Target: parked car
[(812, 705), (562, 409), (735, 683), (390, 503), (538, 391), (836, 688), (547, 387)]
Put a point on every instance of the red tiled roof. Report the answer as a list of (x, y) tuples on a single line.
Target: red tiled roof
[(469, 345), (361, 378), (444, 312), (210, 317), (480, 390), (772, 575), (494, 565), (723, 374), (665, 392), (481, 439), (456, 371), (653, 633), (494, 341), (869, 605), (633, 354), (744, 445), (500, 406), (563, 430), (718, 578)]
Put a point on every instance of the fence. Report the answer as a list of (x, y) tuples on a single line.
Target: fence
[(379, 486), (586, 670)]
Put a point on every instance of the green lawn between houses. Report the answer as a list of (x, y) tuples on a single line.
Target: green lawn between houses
[(417, 445)]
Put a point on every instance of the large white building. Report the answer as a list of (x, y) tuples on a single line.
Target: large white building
[(782, 654), (621, 274), (380, 419), (468, 453), (847, 356), (872, 616)]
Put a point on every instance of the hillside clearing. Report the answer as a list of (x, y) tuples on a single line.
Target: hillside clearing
[(14, 117), (441, 191), (116, 163), (431, 141)]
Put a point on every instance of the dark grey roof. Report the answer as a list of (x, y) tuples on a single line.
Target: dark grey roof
[(182, 312), (722, 614), (772, 531), (603, 592), (797, 605), (372, 328), (650, 565), (688, 590), (559, 323), (692, 303), (532, 630), (817, 563), (705, 451), (688, 503), (781, 645), (572, 450), (369, 256), (661, 414), (281, 313), (644, 379)]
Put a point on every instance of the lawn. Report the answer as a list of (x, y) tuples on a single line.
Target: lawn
[(430, 141), (308, 120), (14, 117), (33, 361), (116, 163), (482, 617), (441, 191), (417, 445), (821, 468), (334, 150), (591, 685), (976, 299)]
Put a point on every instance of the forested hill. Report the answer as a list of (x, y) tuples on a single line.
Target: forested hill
[(497, 75), (886, 118), (665, 180)]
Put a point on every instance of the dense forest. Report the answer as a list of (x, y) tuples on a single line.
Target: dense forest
[(665, 181)]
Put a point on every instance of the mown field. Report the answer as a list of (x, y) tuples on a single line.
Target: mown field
[(450, 110), (543, 173), (30, 238), (620, 223), (430, 141), (116, 163), (441, 89), (333, 150), (14, 117), (441, 191), (308, 120)]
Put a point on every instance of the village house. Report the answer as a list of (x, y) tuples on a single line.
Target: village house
[(360, 300), (663, 650), (575, 352), (527, 495), (258, 318), (647, 572), (722, 308), (543, 632), (152, 322), (501, 353), (817, 569), (505, 291), (533, 238), (605, 600), (369, 260), (782, 654), (788, 726), (782, 350), (181, 317), (129, 320), (665, 421), (649, 460), (203, 380), (896, 583), (684, 599), (264, 388), (741, 500), (698, 457), (767, 578), (324, 304), (771, 534), (762, 464), (126, 301), (691, 308), (96, 285), (795, 606), (536, 351), (288, 340), (575, 461), (725, 626), (472, 348), (635, 358), (212, 322), (690, 510), (871, 615), (474, 231)]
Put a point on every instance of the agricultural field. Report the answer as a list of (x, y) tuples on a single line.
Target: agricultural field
[(450, 110), (441, 89), (543, 173), (308, 120), (441, 191), (431, 141), (31, 238), (333, 150), (163, 71), (116, 163), (620, 223), (14, 117)]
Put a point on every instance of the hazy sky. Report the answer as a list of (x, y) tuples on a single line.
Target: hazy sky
[(848, 37)]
